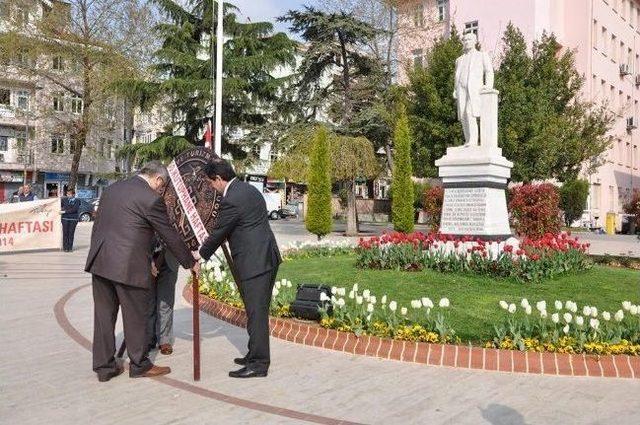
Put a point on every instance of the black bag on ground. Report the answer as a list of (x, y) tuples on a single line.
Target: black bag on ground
[(307, 301)]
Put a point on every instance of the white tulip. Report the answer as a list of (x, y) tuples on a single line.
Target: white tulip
[(403, 311), (324, 297), (594, 312), (373, 299), (579, 320), (393, 306), (355, 288), (527, 310), (574, 307), (369, 317), (341, 302), (626, 305), (543, 314), (275, 292), (541, 306), (359, 300), (619, 316), (426, 302), (634, 309), (416, 304), (342, 292), (504, 305), (334, 290), (567, 305), (595, 323), (555, 317), (566, 329), (333, 299), (444, 303), (567, 317), (558, 305), (512, 308), (370, 308), (586, 310), (289, 284), (606, 315), (277, 285), (384, 299), (366, 294), (352, 295), (524, 303)]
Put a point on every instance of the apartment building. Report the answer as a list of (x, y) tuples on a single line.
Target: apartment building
[(36, 114), (605, 34)]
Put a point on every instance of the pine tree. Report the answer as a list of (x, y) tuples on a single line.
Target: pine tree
[(402, 186), (318, 219)]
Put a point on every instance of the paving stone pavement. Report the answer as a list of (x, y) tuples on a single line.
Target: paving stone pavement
[(46, 377)]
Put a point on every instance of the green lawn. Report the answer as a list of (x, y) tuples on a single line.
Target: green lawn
[(474, 299)]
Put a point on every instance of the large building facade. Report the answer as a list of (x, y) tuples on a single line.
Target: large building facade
[(36, 115), (605, 35)]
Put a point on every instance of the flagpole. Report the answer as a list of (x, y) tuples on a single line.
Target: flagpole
[(218, 109)]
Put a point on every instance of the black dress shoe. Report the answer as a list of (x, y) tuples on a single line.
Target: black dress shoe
[(240, 360), (107, 376), (245, 372)]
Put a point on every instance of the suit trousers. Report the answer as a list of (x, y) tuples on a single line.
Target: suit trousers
[(68, 233), (134, 301), (161, 301), (256, 295)]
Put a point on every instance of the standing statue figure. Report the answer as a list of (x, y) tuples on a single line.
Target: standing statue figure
[(474, 74)]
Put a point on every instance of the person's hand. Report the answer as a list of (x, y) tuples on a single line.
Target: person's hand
[(196, 255), (154, 269)]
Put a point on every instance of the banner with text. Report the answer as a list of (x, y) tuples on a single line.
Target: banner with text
[(31, 225)]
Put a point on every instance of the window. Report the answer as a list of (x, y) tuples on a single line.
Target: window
[(4, 143), (57, 144), (614, 44), (620, 101), (612, 96), (418, 16), (595, 196), (76, 104), (603, 89), (594, 33), (58, 63), (21, 143), (100, 150), (632, 15), (604, 40), (273, 156), (623, 52), (471, 27), (442, 10), (628, 162), (23, 100), (109, 149), (635, 156), (5, 98), (620, 152), (417, 58), (637, 68), (629, 57), (58, 102)]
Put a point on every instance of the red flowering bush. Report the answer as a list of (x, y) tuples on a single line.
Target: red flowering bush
[(433, 198), (633, 206), (534, 209), (533, 260)]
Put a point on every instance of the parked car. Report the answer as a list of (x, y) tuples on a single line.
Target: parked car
[(87, 210)]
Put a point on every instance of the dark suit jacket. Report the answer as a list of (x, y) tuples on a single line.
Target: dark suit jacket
[(70, 208), (243, 221), (121, 241)]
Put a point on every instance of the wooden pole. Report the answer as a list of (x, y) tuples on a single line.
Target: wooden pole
[(195, 283)]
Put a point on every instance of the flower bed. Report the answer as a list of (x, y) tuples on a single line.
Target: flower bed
[(361, 312), (530, 260)]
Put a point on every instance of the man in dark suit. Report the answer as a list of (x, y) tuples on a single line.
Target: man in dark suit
[(243, 221), (119, 259), (70, 205)]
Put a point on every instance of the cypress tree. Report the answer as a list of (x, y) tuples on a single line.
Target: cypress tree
[(318, 219), (402, 186)]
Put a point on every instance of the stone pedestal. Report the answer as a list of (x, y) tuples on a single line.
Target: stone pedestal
[(474, 180)]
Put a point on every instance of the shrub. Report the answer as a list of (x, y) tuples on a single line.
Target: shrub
[(419, 191), (403, 198), (432, 202), (318, 220), (573, 198), (534, 209)]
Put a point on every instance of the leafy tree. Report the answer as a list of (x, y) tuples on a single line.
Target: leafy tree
[(402, 186), (351, 158), (544, 127), (573, 199), (318, 219), (431, 107), (164, 149), (82, 35), (182, 73)]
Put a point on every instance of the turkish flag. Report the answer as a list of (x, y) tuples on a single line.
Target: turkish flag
[(208, 135)]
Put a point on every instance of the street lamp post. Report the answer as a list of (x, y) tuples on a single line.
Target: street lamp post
[(218, 101)]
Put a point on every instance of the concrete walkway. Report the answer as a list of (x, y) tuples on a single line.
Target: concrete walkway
[(46, 377)]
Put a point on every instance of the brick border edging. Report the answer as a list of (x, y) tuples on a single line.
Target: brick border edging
[(465, 357)]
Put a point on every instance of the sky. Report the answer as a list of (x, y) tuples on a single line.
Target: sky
[(268, 10)]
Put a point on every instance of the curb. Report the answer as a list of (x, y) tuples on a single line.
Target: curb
[(458, 356)]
